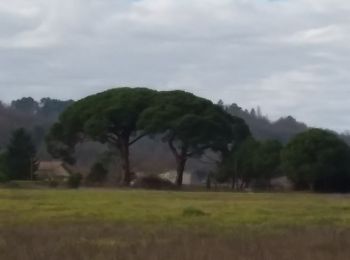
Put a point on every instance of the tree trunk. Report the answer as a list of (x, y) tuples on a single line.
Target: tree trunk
[(124, 153), (180, 168), (233, 183), (181, 158)]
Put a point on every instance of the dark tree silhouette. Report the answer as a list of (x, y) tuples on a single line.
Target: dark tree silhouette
[(191, 125), (20, 157), (318, 160)]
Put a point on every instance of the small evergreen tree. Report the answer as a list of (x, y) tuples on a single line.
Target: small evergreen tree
[(20, 162), (98, 173)]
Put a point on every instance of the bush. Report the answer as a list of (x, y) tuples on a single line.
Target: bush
[(193, 212), (53, 183), (152, 182), (74, 180), (98, 174)]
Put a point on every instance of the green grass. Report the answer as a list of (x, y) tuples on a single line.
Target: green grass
[(134, 224), (220, 210)]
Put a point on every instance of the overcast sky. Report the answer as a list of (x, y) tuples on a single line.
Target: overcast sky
[(291, 57)]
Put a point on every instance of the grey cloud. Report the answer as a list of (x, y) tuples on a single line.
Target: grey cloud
[(289, 57)]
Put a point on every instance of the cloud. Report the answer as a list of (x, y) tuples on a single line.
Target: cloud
[(289, 57), (323, 35)]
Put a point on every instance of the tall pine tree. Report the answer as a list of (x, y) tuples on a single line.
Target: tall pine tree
[(20, 156)]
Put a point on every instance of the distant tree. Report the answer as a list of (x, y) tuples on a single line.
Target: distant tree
[(20, 160), (318, 160), (253, 113), (251, 160), (53, 107), (38, 134), (221, 103), (258, 112), (25, 105), (191, 125), (263, 129), (244, 162), (268, 160), (109, 117)]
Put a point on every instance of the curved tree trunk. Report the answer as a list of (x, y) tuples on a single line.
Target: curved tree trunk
[(180, 168), (181, 159)]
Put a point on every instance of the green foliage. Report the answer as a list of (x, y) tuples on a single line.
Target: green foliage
[(20, 162), (188, 123), (251, 160), (111, 113), (98, 173), (74, 180), (108, 117), (268, 159), (319, 160), (192, 121), (191, 125), (245, 159)]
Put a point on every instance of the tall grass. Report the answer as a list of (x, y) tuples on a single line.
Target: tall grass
[(104, 242)]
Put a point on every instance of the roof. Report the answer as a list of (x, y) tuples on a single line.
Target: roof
[(171, 176), (52, 169)]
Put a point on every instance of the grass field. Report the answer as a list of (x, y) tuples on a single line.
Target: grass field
[(134, 224)]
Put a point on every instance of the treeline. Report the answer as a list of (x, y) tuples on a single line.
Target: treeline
[(35, 116), (149, 131), (262, 128), (38, 116), (191, 126), (316, 160)]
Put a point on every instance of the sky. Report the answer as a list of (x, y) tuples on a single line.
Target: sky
[(290, 57)]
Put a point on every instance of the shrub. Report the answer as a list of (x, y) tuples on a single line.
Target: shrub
[(193, 212), (152, 182), (53, 183), (74, 180), (98, 173)]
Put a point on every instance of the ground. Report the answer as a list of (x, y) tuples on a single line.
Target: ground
[(136, 224)]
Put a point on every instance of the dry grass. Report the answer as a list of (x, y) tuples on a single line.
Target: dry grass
[(104, 242)]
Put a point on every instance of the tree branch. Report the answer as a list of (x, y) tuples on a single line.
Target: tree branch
[(198, 150), (137, 138), (113, 138), (210, 160), (172, 147)]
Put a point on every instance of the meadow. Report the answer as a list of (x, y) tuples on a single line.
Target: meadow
[(137, 224)]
